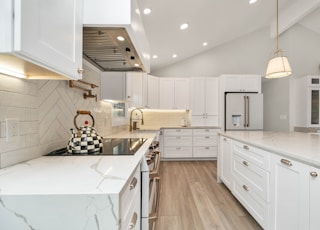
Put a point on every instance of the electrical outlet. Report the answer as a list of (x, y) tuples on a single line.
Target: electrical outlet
[(12, 129)]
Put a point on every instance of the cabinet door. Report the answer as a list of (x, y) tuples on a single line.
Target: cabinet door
[(153, 92), (225, 161), (251, 84), (212, 96), (233, 84), (289, 194), (50, 33), (181, 94), (113, 86), (166, 98), (197, 99), (314, 198), (134, 81)]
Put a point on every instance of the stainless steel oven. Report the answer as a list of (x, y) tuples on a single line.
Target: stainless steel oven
[(151, 188)]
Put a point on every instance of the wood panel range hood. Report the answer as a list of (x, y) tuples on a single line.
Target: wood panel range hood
[(104, 21)]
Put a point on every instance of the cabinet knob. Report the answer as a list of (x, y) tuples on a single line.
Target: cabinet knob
[(313, 174), (246, 147), (133, 183), (286, 162), (133, 220), (245, 187), (80, 71), (245, 163)]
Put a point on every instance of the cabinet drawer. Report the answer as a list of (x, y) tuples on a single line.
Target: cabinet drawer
[(257, 156), (257, 207), (204, 132), (130, 191), (133, 217), (178, 132), (177, 152), (205, 151), (177, 141), (255, 178), (205, 141)]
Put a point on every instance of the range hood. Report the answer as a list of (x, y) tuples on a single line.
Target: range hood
[(104, 21)]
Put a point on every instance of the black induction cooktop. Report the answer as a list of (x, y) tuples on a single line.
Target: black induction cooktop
[(111, 146)]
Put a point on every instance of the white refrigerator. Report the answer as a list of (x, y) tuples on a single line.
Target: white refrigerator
[(243, 111)]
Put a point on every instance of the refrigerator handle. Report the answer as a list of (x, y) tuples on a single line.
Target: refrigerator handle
[(245, 112), (248, 109)]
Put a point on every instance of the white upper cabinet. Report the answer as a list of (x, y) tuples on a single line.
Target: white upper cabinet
[(134, 91), (204, 99), (307, 101), (42, 32), (241, 83), (174, 93), (153, 92)]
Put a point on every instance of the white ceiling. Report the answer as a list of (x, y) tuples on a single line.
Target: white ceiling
[(214, 22)]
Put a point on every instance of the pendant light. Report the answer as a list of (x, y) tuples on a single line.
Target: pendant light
[(279, 65)]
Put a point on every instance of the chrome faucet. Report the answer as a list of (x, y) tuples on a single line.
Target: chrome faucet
[(131, 117)]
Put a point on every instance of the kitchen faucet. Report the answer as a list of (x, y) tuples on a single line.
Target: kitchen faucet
[(131, 117)]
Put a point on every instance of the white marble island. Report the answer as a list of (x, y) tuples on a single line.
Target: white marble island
[(67, 192), (274, 175)]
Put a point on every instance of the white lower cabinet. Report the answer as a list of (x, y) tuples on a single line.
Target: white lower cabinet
[(280, 193), (189, 143), (130, 202), (225, 161)]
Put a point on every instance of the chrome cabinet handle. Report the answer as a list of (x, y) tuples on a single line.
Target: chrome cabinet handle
[(286, 162), (133, 183), (133, 220), (245, 163), (245, 187), (313, 174), (246, 147), (80, 71)]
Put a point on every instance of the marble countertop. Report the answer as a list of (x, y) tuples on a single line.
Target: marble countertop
[(303, 147), (74, 174)]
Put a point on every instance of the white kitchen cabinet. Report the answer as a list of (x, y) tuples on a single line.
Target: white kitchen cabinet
[(225, 161), (135, 89), (250, 169), (205, 143), (177, 143), (204, 99), (289, 190), (153, 92), (314, 200), (112, 86), (174, 93), (241, 83), (46, 33), (307, 101)]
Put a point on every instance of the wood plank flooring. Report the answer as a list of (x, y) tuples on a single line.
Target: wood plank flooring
[(191, 199)]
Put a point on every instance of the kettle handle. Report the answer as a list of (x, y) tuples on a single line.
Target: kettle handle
[(82, 112)]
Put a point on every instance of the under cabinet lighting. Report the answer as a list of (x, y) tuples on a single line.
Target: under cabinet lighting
[(12, 73)]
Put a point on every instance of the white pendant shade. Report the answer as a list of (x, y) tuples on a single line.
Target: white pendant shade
[(278, 67)]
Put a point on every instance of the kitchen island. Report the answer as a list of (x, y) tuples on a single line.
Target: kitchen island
[(72, 192), (274, 175)]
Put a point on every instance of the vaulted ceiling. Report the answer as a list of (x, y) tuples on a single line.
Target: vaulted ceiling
[(216, 22)]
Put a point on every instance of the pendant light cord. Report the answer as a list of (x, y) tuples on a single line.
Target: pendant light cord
[(277, 28)]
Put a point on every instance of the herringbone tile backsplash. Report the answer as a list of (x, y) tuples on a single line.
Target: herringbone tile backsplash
[(45, 110)]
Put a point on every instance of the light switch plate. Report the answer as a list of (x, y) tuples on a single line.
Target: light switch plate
[(12, 129)]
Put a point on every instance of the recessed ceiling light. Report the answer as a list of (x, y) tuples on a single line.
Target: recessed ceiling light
[(252, 1), (205, 44), (155, 56), (174, 55), (147, 11), (120, 38), (184, 26), (137, 65)]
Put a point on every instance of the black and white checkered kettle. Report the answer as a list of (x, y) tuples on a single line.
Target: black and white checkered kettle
[(84, 140)]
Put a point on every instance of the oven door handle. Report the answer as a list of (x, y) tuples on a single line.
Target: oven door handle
[(155, 171), (154, 216)]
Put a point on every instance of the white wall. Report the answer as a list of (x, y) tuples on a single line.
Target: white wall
[(249, 55), (46, 110)]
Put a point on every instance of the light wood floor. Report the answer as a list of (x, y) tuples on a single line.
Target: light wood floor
[(191, 199)]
